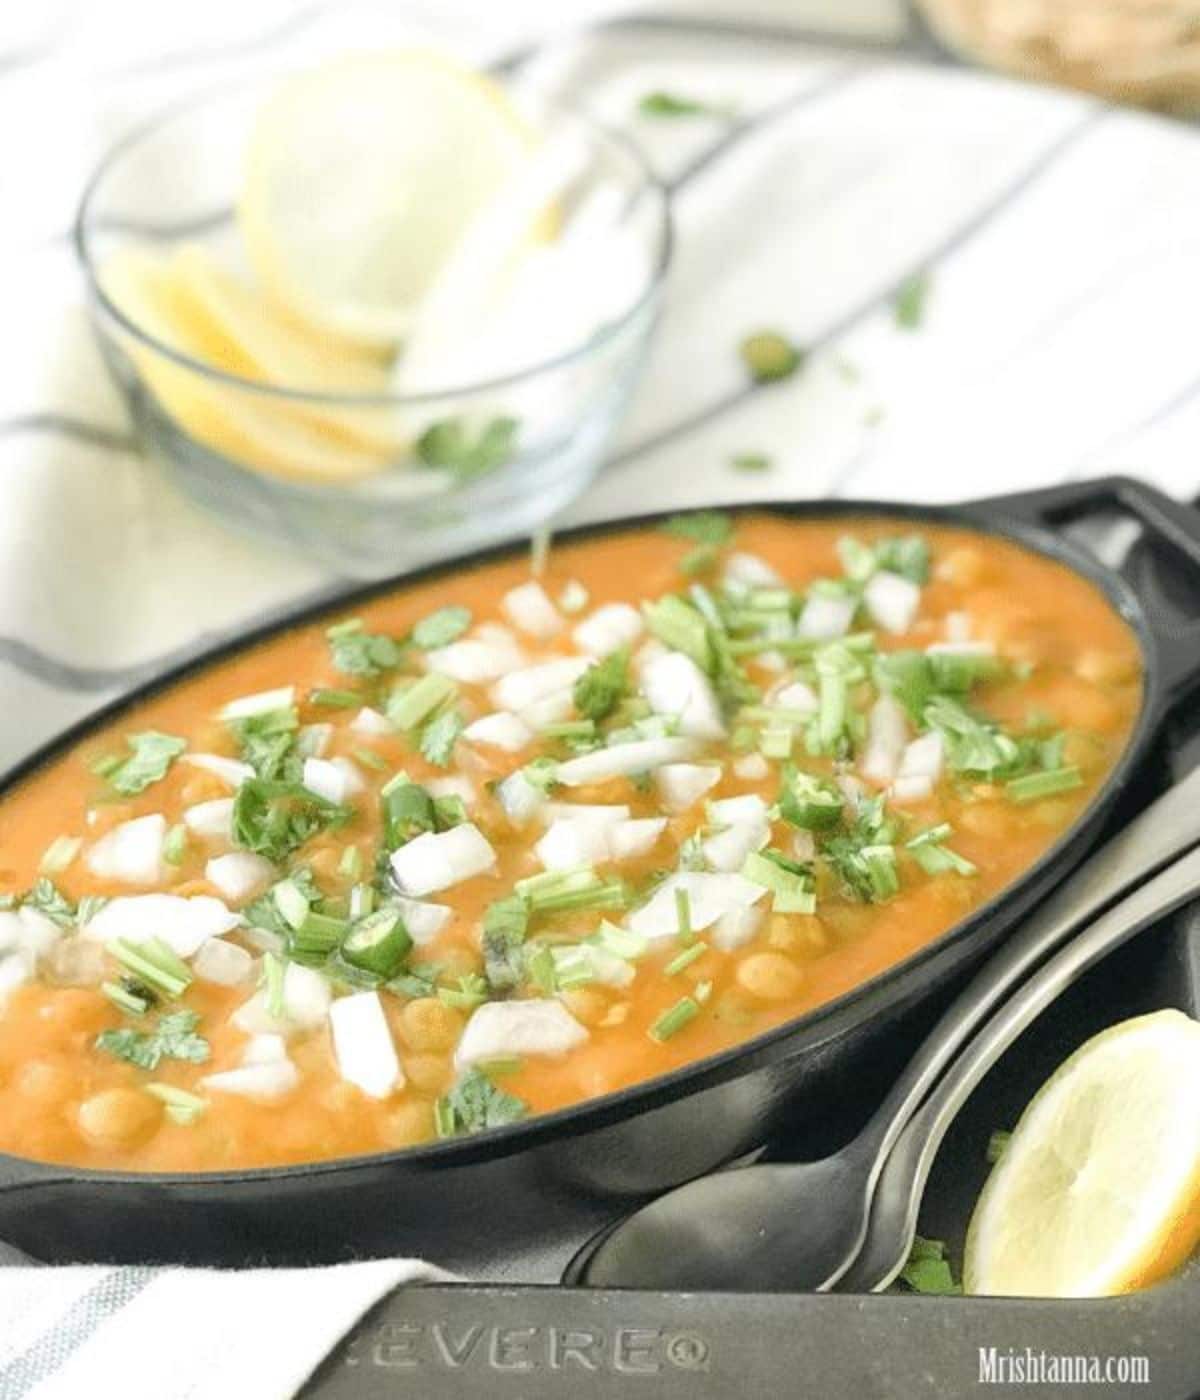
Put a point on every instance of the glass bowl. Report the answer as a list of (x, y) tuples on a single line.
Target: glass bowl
[(362, 481)]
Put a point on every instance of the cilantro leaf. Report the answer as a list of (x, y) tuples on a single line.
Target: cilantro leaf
[(267, 742), (908, 304), (673, 104), (173, 1038), (48, 899), (712, 527), (450, 444), (274, 818), (476, 1103), (151, 754), (441, 628), (974, 745), (603, 686), (360, 653), (928, 1269), (439, 737)]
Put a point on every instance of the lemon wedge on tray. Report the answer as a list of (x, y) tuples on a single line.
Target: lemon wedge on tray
[(361, 175), (1098, 1190)]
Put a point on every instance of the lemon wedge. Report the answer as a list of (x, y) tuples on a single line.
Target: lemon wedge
[(360, 178), (247, 427), (1098, 1190)]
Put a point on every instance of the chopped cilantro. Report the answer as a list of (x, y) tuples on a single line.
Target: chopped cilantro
[(357, 652), (505, 924), (770, 357), (151, 754), (441, 628), (267, 742), (47, 899), (928, 1269), (274, 818), (750, 462), (712, 527), (603, 686), (439, 737), (173, 1038), (974, 745), (673, 104), (476, 1103), (452, 445), (908, 304)]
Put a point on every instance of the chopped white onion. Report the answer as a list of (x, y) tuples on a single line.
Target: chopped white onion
[(362, 1044), (223, 962), (891, 600), (794, 695), (475, 661), (531, 611), (230, 770), (265, 1049), (624, 760), (334, 779), (682, 784), (729, 811), (15, 970), (184, 923), (260, 704), (804, 846), (958, 627), (649, 652), (502, 730), (568, 844), (28, 932), (240, 875), (519, 689), (550, 709), (609, 628), (305, 1004), (519, 798), (313, 739), (370, 721), (743, 826), (961, 649), (423, 921), (914, 789), (735, 929), (605, 967), (130, 853), (271, 1080), (674, 685), (751, 767), (750, 571), (606, 813), (436, 860), (212, 821), (500, 1028), (627, 840), (924, 758), (887, 734), (826, 616), (709, 897)]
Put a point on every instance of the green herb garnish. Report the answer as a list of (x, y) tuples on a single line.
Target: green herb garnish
[(173, 1038), (908, 304), (673, 104), (267, 742), (274, 818), (151, 754), (928, 1269), (505, 924), (452, 445), (770, 356), (439, 737), (357, 652), (603, 686), (750, 462), (441, 628), (475, 1103)]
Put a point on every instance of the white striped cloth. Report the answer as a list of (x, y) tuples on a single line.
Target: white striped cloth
[(1062, 241)]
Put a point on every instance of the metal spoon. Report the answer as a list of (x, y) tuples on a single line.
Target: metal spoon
[(901, 1183), (800, 1226)]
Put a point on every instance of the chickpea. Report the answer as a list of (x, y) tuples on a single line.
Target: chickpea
[(409, 1123), (428, 1025), (1105, 667), (988, 819), (964, 566), (117, 1118), (801, 934), (586, 1004), (46, 1080), (769, 976), (431, 1074)]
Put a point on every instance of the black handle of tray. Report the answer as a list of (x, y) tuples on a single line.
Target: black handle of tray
[(1167, 522), (462, 1342)]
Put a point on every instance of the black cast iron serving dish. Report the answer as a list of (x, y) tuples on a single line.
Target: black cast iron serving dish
[(510, 1187)]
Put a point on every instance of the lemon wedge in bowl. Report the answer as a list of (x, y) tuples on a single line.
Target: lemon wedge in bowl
[(361, 176), (1098, 1190)]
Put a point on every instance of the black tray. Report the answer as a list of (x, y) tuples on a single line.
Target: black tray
[(535, 1340)]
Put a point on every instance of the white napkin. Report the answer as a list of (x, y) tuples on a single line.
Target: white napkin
[(175, 1334)]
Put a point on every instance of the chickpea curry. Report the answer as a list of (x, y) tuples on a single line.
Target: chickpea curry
[(511, 839)]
